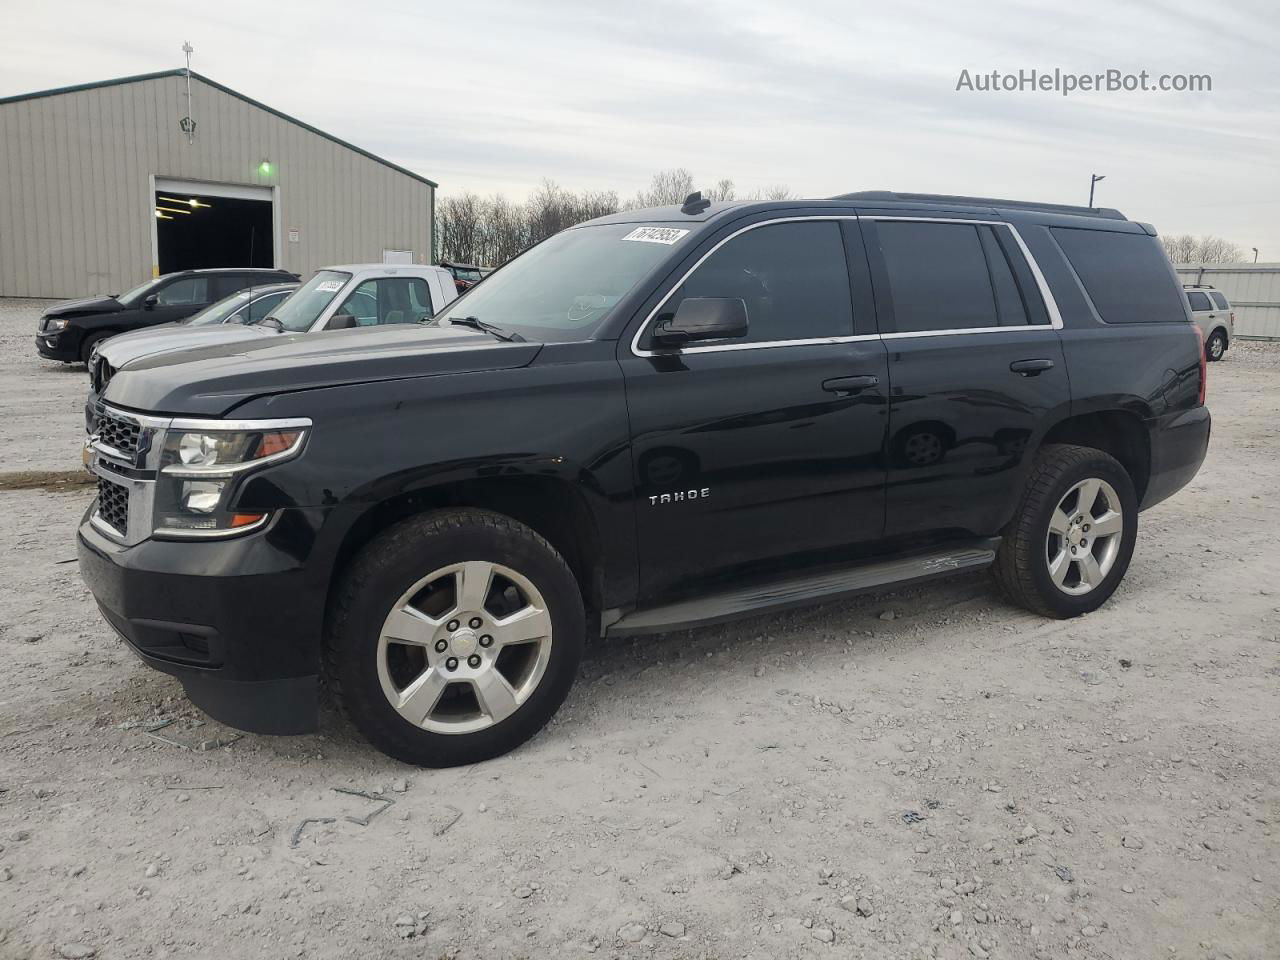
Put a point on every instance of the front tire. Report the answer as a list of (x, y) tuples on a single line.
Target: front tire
[(454, 637), (1216, 346), (1069, 545)]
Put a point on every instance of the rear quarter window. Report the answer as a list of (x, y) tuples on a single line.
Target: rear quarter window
[(1127, 275), (1219, 300)]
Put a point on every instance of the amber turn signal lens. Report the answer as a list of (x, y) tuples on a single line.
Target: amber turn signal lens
[(277, 441), (245, 519)]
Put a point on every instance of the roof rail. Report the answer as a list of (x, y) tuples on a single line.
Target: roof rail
[(1107, 213)]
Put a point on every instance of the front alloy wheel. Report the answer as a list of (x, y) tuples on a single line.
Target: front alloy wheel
[(454, 636), (464, 647)]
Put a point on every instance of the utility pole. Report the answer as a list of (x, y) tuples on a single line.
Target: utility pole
[(1093, 179), (1255, 254)]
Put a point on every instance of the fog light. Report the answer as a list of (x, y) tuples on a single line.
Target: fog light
[(201, 496)]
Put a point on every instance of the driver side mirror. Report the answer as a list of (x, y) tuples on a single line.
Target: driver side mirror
[(341, 321), (703, 318), (150, 302)]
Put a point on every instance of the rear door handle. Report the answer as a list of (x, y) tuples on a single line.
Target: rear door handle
[(1031, 368), (849, 384)]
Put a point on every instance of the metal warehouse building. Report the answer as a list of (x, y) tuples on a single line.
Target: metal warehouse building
[(107, 184)]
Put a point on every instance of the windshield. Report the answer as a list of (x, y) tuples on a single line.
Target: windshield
[(219, 312), (564, 287), (300, 310), (137, 293)]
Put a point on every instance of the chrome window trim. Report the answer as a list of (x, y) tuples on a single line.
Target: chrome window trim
[(1050, 303)]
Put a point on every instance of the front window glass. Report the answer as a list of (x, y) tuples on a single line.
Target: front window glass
[(184, 292), (389, 300), (300, 311), (563, 288), (264, 305), (792, 277), (218, 312)]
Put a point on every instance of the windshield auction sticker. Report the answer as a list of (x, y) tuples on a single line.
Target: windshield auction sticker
[(667, 235), (329, 286)]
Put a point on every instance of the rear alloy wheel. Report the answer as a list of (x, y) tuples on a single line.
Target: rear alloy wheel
[(454, 637), (1069, 545), (1215, 346), (1085, 533)]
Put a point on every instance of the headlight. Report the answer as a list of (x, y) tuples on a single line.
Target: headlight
[(201, 465), (57, 323)]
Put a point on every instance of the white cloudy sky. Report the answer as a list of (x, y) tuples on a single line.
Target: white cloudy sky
[(823, 95)]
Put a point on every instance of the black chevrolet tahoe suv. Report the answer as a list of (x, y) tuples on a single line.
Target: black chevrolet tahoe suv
[(651, 421), (68, 331)]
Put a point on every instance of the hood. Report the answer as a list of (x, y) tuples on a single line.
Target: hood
[(211, 380), (127, 347), (99, 304)]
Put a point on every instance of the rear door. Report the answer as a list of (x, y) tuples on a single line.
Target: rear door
[(1201, 310), (975, 366), (760, 453)]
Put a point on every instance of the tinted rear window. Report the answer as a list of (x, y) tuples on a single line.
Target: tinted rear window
[(1127, 275), (1198, 300), (1219, 300)]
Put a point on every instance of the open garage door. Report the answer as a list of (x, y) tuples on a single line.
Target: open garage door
[(213, 225)]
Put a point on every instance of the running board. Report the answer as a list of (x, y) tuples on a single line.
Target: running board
[(801, 591)]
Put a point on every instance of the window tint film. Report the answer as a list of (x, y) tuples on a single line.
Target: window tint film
[(938, 276), (1198, 300), (1219, 300), (1127, 275), (1010, 308), (792, 276), (185, 292)]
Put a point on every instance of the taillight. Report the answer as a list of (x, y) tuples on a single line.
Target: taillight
[(1204, 365)]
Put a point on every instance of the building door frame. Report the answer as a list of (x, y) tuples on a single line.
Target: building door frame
[(210, 188)]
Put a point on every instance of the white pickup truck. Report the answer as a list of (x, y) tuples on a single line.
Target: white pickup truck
[(333, 298)]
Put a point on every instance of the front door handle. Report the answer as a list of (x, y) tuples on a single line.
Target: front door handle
[(1031, 368), (849, 384)]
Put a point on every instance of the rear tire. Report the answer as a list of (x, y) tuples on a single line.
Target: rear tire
[(1216, 346), (453, 637), (1069, 544)]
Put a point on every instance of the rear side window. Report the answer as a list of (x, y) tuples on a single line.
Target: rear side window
[(1219, 300), (793, 278), (957, 276), (1198, 300), (1127, 275)]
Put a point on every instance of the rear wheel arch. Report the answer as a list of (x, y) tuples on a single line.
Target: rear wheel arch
[(1118, 433)]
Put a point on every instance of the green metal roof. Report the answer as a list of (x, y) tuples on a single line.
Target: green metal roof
[(181, 72)]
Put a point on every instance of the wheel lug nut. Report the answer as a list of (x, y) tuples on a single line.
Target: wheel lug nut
[(475, 623), (1085, 528), (473, 660), (486, 641), (442, 646), (451, 663), (1073, 549), (451, 626)]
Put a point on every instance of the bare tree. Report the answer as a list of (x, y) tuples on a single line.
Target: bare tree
[(473, 229), (1185, 248)]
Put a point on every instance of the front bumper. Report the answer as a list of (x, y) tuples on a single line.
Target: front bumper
[(57, 346), (233, 620)]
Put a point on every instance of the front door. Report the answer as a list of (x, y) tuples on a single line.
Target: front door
[(975, 367), (757, 453)]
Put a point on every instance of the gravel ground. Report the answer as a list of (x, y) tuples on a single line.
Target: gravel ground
[(922, 774)]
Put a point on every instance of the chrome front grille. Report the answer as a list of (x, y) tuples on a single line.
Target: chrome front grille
[(118, 434), (113, 505)]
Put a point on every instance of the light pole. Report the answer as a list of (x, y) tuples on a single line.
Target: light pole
[(1093, 180), (1255, 254)]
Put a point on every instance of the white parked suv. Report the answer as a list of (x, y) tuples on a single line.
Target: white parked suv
[(1213, 315)]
